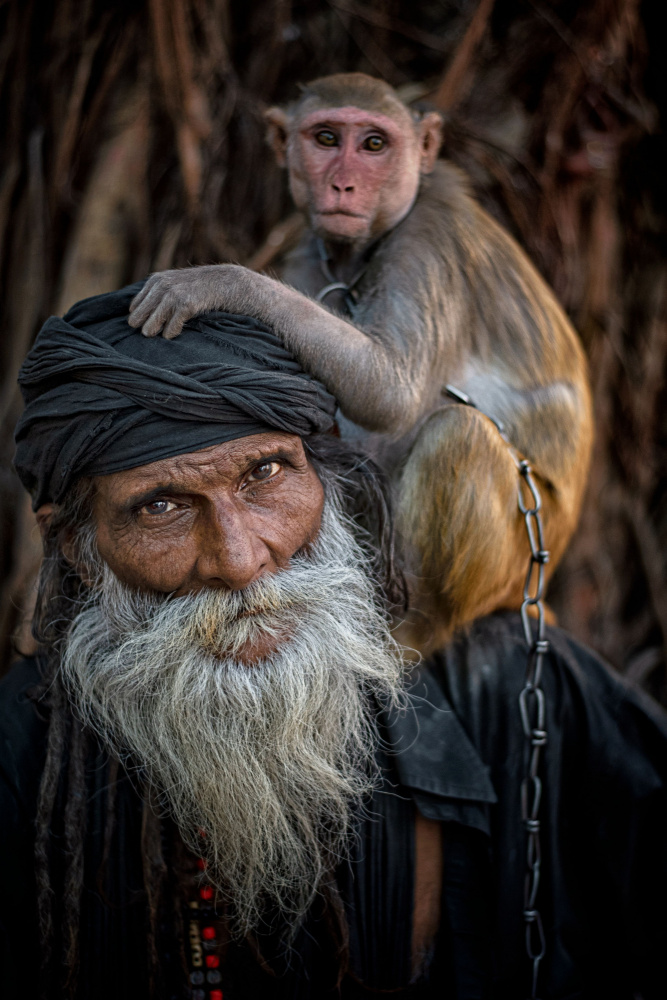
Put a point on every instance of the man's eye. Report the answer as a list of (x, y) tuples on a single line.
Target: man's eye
[(158, 507), (374, 143), (266, 470), (326, 138)]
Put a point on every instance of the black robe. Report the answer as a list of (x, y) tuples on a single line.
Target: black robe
[(458, 756)]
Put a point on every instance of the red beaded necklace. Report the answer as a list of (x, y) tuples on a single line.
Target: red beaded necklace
[(207, 937)]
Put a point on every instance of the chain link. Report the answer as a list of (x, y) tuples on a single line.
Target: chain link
[(532, 704)]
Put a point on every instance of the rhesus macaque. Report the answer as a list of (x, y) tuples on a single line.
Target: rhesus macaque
[(436, 293)]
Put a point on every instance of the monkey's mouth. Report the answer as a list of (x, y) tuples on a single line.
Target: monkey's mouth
[(342, 211)]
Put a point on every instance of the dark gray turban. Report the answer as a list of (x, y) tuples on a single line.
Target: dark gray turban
[(100, 397)]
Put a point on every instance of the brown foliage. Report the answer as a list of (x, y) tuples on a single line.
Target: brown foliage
[(133, 141)]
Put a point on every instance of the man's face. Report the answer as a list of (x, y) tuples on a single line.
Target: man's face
[(219, 518)]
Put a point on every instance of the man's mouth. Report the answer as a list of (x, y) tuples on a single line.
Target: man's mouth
[(258, 647)]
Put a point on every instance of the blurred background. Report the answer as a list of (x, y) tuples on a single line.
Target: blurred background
[(133, 141)]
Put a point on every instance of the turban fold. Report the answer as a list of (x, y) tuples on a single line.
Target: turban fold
[(101, 398)]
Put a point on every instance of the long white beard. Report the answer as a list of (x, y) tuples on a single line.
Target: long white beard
[(268, 759)]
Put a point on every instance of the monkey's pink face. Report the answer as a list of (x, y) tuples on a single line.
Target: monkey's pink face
[(355, 172)]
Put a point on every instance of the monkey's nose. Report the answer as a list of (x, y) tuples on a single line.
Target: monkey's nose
[(339, 188)]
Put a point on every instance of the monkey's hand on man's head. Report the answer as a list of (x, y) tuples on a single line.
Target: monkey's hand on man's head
[(170, 298)]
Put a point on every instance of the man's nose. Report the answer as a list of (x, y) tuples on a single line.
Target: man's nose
[(232, 554)]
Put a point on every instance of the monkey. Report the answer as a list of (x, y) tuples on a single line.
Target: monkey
[(402, 286)]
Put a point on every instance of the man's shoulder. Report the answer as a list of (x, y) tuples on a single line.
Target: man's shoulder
[(23, 724)]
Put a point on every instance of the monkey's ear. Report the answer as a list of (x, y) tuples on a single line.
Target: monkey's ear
[(44, 515), (276, 133), (430, 138)]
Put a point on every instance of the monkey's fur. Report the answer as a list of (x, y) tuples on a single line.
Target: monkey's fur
[(447, 296)]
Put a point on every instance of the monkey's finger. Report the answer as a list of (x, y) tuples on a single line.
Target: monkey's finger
[(146, 308), (160, 315), (143, 293), (175, 324), (139, 298)]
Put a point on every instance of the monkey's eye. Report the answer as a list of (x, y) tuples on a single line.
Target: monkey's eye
[(158, 507), (326, 138), (264, 471), (374, 143)]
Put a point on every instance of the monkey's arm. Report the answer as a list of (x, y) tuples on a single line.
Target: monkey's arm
[(379, 383)]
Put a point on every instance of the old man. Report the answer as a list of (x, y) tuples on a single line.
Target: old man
[(213, 779)]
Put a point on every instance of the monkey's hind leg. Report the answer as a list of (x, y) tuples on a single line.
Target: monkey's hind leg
[(463, 536)]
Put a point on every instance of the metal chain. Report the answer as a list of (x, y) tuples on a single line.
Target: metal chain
[(532, 704), (532, 707)]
